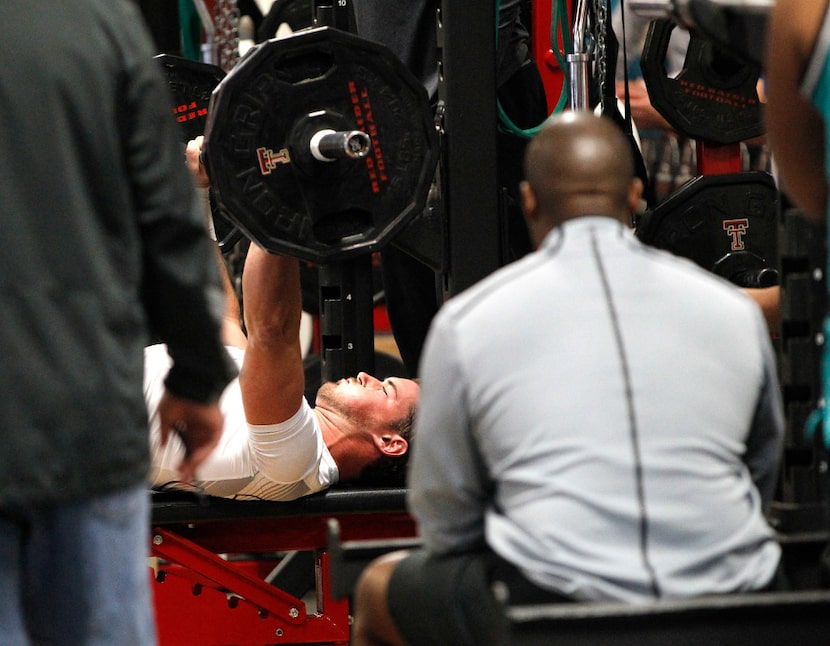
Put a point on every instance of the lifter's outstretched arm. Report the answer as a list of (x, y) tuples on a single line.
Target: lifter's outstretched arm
[(232, 333), (272, 379)]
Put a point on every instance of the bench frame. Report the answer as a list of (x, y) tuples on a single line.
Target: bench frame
[(219, 564), (245, 572)]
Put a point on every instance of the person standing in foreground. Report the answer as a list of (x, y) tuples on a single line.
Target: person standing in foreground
[(798, 115), (599, 421), (105, 243)]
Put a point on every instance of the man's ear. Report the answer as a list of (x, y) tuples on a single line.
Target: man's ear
[(530, 209), (529, 203), (635, 194), (391, 444)]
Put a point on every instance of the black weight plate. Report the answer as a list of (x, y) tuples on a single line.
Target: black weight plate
[(191, 84), (263, 115), (713, 216), (297, 14), (714, 98), (743, 32)]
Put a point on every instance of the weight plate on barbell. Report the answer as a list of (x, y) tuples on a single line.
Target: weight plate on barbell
[(264, 117)]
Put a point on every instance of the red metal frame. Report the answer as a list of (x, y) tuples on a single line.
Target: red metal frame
[(209, 585), (718, 159), (553, 77)]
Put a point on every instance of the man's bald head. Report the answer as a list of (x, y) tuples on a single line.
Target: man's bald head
[(579, 164)]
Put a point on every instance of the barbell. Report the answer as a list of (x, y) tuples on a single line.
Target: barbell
[(320, 145)]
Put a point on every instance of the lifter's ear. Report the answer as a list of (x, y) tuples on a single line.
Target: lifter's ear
[(391, 444)]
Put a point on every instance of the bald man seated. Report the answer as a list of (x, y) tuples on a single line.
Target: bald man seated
[(600, 420), (274, 444)]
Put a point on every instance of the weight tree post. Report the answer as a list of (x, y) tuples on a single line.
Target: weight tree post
[(468, 88), (347, 340), (346, 318)]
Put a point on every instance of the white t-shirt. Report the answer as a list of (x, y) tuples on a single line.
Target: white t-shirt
[(276, 462)]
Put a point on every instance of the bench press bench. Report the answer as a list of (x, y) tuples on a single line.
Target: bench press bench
[(239, 572), (258, 572)]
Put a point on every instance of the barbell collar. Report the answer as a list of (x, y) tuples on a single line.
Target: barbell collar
[(580, 80), (330, 145)]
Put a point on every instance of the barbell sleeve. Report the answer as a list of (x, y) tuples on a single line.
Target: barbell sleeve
[(330, 145)]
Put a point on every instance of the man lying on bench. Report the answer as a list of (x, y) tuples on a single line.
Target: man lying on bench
[(274, 445)]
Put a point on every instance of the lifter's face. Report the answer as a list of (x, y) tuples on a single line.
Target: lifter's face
[(366, 398)]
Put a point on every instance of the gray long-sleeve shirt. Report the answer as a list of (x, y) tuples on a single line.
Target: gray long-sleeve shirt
[(611, 449)]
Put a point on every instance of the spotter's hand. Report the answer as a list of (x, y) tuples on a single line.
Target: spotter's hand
[(193, 157), (198, 425)]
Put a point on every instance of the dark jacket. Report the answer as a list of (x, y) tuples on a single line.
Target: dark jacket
[(103, 243)]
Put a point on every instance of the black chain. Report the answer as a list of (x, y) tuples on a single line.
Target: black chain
[(226, 34)]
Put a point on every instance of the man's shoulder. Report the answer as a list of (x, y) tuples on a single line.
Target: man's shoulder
[(488, 290)]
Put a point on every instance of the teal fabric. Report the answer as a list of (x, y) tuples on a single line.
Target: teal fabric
[(191, 27)]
